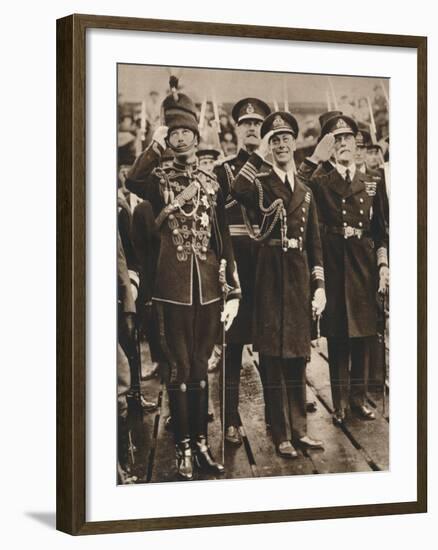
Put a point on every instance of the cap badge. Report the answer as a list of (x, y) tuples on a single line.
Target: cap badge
[(249, 109), (278, 121), (341, 124)]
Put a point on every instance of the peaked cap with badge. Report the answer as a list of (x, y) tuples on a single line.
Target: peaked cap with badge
[(250, 108), (339, 124), (280, 122)]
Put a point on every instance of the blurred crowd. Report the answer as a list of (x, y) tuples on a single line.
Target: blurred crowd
[(138, 121)]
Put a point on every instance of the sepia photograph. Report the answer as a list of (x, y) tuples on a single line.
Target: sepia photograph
[(252, 274)]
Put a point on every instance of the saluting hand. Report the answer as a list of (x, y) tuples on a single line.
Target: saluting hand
[(324, 150), (160, 135), (229, 313), (319, 302), (263, 148)]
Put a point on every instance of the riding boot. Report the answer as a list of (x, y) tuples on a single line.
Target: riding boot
[(204, 458), (179, 409)]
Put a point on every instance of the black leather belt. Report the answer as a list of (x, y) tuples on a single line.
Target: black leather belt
[(288, 243)]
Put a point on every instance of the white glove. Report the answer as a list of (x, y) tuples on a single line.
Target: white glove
[(134, 292), (383, 279), (229, 313), (263, 148), (160, 135), (319, 302), (324, 150)]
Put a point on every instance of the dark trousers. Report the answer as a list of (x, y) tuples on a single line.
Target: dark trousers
[(233, 365), (188, 334), (349, 387), (286, 390)]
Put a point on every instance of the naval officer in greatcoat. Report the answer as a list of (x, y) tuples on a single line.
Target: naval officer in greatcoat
[(248, 114), (353, 232), (194, 238), (289, 282)]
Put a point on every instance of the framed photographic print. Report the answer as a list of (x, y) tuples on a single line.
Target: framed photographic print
[(241, 274)]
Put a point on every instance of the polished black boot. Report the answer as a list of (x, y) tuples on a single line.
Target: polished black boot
[(204, 459), (184, 460)]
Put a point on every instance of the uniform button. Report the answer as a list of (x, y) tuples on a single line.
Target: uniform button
[(360, 224), (179, 248), (361, 199), (171, 217), (204, 249), (175, 231), (344, 212), (343, 201), (361, 211), (303, 218), (345, 224), (303, 209), (302, 229)]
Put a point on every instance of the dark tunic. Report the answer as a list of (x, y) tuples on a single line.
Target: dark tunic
[(245, 249), (284, 279), (187, 241), (350, 263)]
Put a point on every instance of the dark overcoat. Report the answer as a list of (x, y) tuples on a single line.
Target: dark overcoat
[(245, 248), (285, 280), (350, 263)]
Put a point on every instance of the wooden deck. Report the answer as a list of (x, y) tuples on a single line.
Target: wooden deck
[(359, 446)]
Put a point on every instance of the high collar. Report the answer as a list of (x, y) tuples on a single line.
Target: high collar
[(243, 155), (183, 166)]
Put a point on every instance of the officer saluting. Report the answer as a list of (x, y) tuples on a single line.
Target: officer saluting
[(289, 268), (194, 238), (248, 113), (354, 237)]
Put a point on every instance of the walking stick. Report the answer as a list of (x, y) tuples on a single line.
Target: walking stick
[(384, 356), (224, 289)]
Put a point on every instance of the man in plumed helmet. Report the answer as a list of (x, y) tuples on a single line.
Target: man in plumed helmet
[(354, 237), (194, 240), (289, 281), (248, 114)]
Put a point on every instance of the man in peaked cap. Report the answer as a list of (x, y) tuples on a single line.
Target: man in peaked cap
[(354, 237), (289, 281), (190, 217), (248, 114), (207, 157)]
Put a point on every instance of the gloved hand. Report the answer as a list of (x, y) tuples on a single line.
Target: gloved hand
[(134, 292), (324, 150), (229, 313), (263, 148), (383, 279), (319, 302), (160, 136)]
